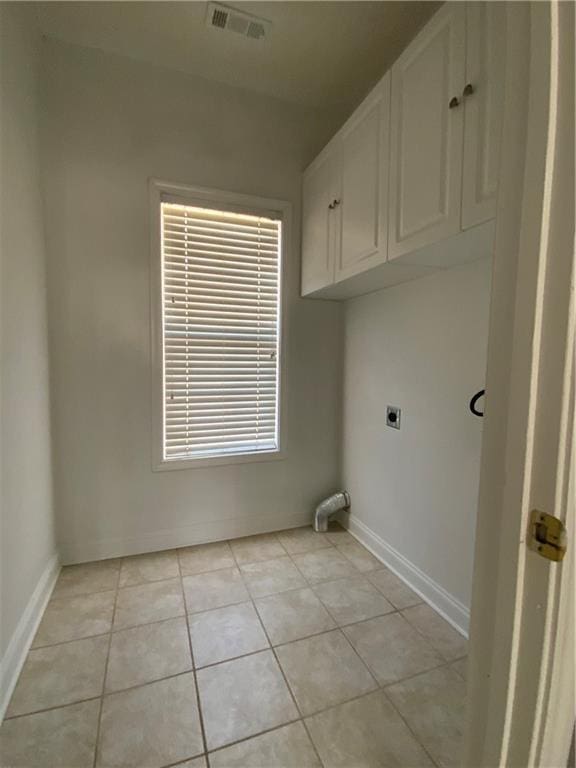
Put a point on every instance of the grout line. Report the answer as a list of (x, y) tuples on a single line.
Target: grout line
[(406, 679), (96, 697), (99, 725), (198, 702), (427, 637), (81, 594), (254, 736), (67, 598), (66, 642), (409, 727), (148, 682), (305, 725), (187, 760)]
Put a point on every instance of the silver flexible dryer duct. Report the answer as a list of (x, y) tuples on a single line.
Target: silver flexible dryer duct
[(328, 507)]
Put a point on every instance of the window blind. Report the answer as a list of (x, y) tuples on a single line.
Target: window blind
[(220, 285)]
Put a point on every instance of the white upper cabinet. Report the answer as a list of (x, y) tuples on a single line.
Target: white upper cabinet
[(364, 200), (409, 183), (426, 134), (320, 220), (483, 109)]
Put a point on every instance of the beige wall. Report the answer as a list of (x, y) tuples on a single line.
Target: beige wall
[(112, 123), (27, 530), (420, 346)]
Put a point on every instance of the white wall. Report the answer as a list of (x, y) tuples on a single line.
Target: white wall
[(420, 346), (112, 123), (27, 529)]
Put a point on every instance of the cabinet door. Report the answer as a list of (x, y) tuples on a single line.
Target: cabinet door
[(363, 209), (320, 221), (426, 134), (483, 109)]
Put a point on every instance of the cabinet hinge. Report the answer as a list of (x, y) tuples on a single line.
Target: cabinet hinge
[(547, 536)]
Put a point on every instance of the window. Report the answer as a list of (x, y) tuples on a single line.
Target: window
[(220, 329)]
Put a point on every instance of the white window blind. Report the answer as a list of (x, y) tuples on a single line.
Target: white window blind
[(220, 313)]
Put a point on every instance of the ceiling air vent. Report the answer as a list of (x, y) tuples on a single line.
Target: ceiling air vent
[(224, 17)]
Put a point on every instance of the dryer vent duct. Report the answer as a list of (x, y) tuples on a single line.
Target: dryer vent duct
[(329, 507)]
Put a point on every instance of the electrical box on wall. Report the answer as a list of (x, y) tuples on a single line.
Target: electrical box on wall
[(393, 416)]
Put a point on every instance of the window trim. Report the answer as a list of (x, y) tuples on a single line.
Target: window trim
[(159, 190)]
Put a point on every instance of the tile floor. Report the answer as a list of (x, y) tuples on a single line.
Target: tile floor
[(288, 650)]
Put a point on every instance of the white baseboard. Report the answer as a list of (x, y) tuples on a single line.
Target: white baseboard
[(442, 601), (186, 536), (21, 640)]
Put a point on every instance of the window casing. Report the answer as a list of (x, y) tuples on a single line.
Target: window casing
[(218, 327)]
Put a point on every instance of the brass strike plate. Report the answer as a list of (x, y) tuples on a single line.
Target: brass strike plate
[(547, 536)]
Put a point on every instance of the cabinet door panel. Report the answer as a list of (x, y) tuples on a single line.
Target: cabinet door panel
[(359, 192), (485, 65), (426, 135), (364, 148), (319, 240)]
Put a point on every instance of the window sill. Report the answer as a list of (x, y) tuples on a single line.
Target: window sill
[(218, 461)]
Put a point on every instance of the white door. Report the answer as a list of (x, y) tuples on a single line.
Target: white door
[(483, 97), (320, 220), (427, 125), (364, 214), (522, 661)]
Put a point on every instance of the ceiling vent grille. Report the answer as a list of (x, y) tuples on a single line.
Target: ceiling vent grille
[(224, 17)]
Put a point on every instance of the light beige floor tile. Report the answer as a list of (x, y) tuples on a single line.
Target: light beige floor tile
[(392, 648), (214, 590), (293, 615), (226, 633), (60, 674), (243, 697), (365, 733), (253, 549), (154, 566), (323, 670), (286, 747), (147, 653), (433, 705), (461, 666), (146, 603), (324, 565), (298, 540), (447, 641), (206, 557), (393, 588), (359, 556), (338, 535), (151, 726), (87, 578), (271, 577), (59, 738), (71, 618), (350, 600)]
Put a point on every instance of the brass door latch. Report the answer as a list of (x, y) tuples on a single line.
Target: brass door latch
[(547, 536)]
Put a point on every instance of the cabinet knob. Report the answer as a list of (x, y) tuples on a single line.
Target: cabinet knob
[(468, 90), (333, 204), (454, 102)]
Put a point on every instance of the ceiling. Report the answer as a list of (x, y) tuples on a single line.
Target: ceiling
[(322, 54)]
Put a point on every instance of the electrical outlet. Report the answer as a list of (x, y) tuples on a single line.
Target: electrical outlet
[(393, 416)]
